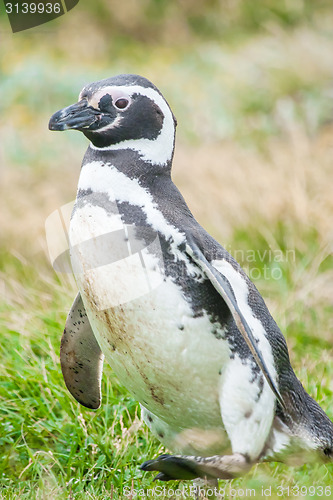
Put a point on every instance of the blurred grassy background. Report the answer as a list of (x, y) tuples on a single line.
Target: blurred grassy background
[(251, 86)]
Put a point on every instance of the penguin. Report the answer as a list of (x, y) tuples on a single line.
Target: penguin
[(176, 317)]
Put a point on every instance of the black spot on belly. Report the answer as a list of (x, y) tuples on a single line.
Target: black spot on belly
[(161, 434), (158, 398), (150, 418)]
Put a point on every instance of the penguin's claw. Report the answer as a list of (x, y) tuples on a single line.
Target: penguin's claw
[(162, 477), (151, 464)]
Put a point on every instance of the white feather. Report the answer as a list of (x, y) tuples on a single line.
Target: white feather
[(244, 414), (105, 178), (241, 292)]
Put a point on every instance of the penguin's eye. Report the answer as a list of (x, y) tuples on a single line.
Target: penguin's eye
[(121, 103)]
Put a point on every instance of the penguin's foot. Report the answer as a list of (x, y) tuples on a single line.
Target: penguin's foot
[(171, 467), (177, 467)]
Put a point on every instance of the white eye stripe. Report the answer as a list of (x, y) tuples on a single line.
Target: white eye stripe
[(127, 92), (112, 125), (115, 92)]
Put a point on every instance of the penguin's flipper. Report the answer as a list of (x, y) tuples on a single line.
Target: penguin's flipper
[(225, 289), (81, 357)]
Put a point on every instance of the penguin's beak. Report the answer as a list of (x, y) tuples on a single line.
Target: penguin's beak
[(78, 116)]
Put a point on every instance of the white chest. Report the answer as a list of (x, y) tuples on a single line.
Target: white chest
[(167, 358)]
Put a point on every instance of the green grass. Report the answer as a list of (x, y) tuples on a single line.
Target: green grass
[(49, 444), (50, 447)]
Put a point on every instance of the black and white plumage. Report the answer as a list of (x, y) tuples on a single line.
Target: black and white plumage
[(197, 345)]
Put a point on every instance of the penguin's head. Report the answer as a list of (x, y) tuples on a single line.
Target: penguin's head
[(125, 111)]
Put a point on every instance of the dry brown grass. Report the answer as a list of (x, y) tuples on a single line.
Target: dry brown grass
[(226, 187)]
